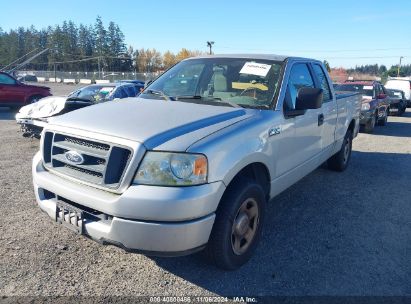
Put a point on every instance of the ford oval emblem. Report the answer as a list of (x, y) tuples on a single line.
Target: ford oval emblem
[(74, 157)]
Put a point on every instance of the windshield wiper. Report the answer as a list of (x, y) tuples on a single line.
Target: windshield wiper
[(188, 97), (74, 98), (159, 93), (210, 98)]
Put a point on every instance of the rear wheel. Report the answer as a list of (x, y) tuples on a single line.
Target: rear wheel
[(339, 161), (238, 224), (383, 120), (370, 125), (403, 107)]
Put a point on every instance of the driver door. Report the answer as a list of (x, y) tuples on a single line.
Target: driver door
[(10, 91), (303, 142)]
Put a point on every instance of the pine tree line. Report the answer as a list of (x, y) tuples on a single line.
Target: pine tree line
[(382, 71), (83, 48)]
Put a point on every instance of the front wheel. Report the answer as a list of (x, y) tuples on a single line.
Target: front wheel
[(34, 99), (238, 224), (339, 161)]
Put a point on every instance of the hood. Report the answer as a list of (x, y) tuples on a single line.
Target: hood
[(151, 122), (44, 108), (35, 86)]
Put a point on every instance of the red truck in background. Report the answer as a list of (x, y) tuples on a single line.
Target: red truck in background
[(16, 94)]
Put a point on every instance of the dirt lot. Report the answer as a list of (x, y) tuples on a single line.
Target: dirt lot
[(330, 234)]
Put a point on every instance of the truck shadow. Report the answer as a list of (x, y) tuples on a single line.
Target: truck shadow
[(394, 128), (7, 113), (329, 234), (407, 113)]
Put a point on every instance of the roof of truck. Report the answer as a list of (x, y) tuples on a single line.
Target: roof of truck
[(255, 56)]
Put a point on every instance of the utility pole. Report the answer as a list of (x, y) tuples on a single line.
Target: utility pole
[(210, 45), (399, 67), (99, 71)]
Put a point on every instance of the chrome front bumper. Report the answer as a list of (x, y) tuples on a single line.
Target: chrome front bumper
[(155, 220)]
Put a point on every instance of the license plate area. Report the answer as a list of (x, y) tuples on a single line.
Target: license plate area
[(69, 216)]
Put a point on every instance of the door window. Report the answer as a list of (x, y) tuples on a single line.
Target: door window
[(4, 79), (323, 82), (299, 77)]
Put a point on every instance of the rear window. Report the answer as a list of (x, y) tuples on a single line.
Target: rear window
[(366, 90)]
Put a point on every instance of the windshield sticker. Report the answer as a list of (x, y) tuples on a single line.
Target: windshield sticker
[(367, 87), (253, 68)]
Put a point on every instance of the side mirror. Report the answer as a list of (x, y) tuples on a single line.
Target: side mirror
[(309, 98)]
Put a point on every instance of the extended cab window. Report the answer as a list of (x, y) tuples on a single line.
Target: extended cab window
[(299, 77), (4, 79), (318, 70)]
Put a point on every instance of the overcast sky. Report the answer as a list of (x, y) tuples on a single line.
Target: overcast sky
[(346, 33)]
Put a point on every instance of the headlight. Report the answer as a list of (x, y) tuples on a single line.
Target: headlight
[(172, 169), (365, 106)]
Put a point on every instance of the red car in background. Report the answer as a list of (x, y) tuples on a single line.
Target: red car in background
[(375, 102), (16, 94)]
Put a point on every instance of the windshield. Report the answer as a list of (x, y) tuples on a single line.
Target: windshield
[(219, 81), (94, 93), (366, 90)]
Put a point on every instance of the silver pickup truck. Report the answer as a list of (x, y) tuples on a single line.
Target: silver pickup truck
[(192, 162)]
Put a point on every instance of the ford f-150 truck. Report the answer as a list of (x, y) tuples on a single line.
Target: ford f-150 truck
[(192, 165)]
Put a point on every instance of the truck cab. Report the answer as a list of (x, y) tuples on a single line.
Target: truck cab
[(192, 164)]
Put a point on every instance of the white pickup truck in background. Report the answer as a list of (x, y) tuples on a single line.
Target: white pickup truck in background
[(192, 164)]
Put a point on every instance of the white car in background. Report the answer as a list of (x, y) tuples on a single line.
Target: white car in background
[(33, 117), (403, 84)]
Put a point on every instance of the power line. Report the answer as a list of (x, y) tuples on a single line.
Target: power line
[(316, 51), (81, 60), (363, 57)]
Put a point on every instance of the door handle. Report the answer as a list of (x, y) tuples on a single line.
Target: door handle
[(320, 119)]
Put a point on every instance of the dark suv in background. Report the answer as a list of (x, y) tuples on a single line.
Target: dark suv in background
[(16, 94), (398, 101), (375, 102)]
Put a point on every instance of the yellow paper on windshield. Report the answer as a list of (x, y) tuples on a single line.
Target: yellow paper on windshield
[(247, 85)]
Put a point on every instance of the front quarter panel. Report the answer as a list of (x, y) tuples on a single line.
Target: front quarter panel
[(233, 148)]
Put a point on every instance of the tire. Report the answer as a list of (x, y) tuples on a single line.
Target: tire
[(339, 161), (34, 99), (234, 221), (369, 127), (384, 120), (403, 108)]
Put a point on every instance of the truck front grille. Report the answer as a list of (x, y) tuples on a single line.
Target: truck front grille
[(102, 164)]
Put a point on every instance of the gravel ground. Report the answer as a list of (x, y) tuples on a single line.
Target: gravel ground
[(330, 234)]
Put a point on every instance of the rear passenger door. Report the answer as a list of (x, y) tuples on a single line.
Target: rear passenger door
[(328, 109)]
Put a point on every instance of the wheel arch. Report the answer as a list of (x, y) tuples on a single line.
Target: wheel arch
[(30, 96), (256, 171)]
